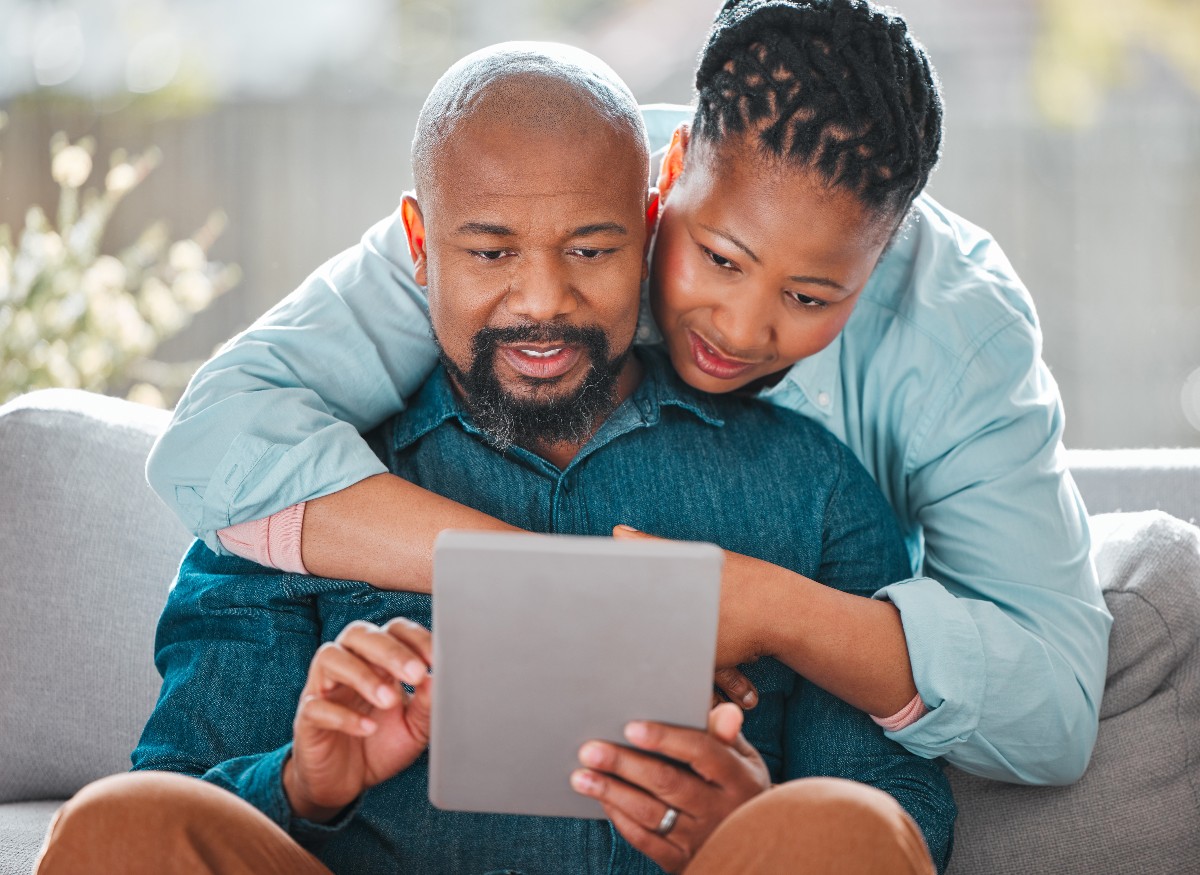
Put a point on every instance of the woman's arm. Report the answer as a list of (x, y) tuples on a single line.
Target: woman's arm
[(1008, 632), (381, 530), (848, 644), (274, 418)]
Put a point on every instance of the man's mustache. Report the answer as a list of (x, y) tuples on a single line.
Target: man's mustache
[(487, 339)]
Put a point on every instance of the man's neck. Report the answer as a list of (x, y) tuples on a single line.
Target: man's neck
[(561, 453)]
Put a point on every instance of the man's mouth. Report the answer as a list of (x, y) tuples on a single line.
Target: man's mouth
[(541, 361), (713, 362)]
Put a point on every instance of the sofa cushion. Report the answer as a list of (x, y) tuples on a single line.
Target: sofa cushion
[(87, 552), (22, 828), (1137, 808)]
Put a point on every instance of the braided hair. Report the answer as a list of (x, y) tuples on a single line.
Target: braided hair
[(838, 86)]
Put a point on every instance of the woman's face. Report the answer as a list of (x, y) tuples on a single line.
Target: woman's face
[(757, 263)]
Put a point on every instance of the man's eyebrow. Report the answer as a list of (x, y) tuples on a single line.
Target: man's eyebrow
[(599, 228), (502, 231), (484, 228), (807, 280)]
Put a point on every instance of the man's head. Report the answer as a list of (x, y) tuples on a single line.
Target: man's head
[(528, 227)]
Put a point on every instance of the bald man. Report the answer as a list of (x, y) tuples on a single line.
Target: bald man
[(286, 694)]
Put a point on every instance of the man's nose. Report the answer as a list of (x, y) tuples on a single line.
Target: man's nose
[(541, 290)]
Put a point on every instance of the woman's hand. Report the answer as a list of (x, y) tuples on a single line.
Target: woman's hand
[(716, 771), (356, 726), (745, 617)]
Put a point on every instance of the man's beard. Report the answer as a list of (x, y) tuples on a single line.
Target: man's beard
[(532, 421)]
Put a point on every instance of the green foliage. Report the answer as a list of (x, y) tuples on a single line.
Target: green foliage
[(72, 316), (1087, 47)]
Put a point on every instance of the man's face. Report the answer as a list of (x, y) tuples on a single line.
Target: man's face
[(533, 255)]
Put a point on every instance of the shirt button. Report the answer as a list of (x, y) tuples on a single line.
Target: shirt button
[(823, 399), (643, 333)]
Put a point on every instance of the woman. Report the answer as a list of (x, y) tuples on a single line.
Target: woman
[(795, 257)]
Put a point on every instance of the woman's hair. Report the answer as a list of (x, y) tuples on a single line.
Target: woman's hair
[(838, 86)]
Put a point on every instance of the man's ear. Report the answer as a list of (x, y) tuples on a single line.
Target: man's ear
[(414, 228), (672, 161)]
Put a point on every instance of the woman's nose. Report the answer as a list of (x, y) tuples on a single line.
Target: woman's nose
[(744, 322)]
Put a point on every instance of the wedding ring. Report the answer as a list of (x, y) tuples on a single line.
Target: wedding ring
[(668, 822)]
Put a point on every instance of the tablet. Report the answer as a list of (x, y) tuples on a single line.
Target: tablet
[(541, 642)]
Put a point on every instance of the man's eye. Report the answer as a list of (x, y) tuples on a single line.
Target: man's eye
[(489, 254), (718, 260), (590, 254)]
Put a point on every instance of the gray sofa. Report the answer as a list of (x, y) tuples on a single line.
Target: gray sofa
[(87, 553)]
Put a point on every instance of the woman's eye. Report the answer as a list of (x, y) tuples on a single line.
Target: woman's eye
[(718, 260), (806, 301)]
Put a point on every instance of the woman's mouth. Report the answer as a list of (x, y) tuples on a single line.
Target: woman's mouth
[(714, 363), (541, 361)]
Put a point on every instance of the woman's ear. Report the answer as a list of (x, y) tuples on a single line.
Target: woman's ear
[(672, 161), (414, 228), (651, 227)]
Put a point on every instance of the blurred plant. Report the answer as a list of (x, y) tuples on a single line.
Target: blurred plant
[(1085, 47), (71, 316)]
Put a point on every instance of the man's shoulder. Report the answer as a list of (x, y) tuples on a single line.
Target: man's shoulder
[(779, 429)]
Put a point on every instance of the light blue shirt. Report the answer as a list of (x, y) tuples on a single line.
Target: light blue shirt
[(936, 384)]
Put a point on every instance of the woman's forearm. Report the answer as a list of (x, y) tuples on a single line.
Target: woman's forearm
[(381, 531), (851, 646)]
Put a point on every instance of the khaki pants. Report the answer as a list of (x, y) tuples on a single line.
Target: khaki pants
[(159, 823)]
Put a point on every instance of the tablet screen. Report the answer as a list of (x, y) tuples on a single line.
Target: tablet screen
[(541, 642)]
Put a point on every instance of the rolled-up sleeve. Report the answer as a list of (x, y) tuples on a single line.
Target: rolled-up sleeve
[(233, 647), (275, 416), (1008, 631)]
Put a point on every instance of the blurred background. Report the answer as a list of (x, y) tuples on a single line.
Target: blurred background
[(169, 169)]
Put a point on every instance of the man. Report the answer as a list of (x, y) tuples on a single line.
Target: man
[(531, 239)]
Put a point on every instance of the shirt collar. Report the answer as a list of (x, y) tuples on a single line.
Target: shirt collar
[(817, 377), (437, 402)]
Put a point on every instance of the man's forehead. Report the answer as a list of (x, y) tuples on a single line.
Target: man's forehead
[(518, 107), (521, 180)]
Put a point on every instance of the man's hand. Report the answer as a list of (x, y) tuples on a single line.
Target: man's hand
[(638, 789), (356, 725), (740, 638)]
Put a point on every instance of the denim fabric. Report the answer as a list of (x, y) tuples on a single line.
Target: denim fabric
[(236, 639)]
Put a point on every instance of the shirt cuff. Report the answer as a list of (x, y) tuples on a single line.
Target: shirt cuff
[(273, 541), (948, 664)]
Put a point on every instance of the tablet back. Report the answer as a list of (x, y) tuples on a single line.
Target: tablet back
[(541, 642)]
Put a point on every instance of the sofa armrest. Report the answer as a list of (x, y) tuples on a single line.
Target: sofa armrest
[(1112, 481), (87, 552)]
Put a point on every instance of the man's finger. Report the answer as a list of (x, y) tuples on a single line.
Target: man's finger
[(709, 757), (319, 713), (335, 665), (413, 634), (673, 783), (736, 687), (633, 801), (669, 856), (623, 532), (384, 649)]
